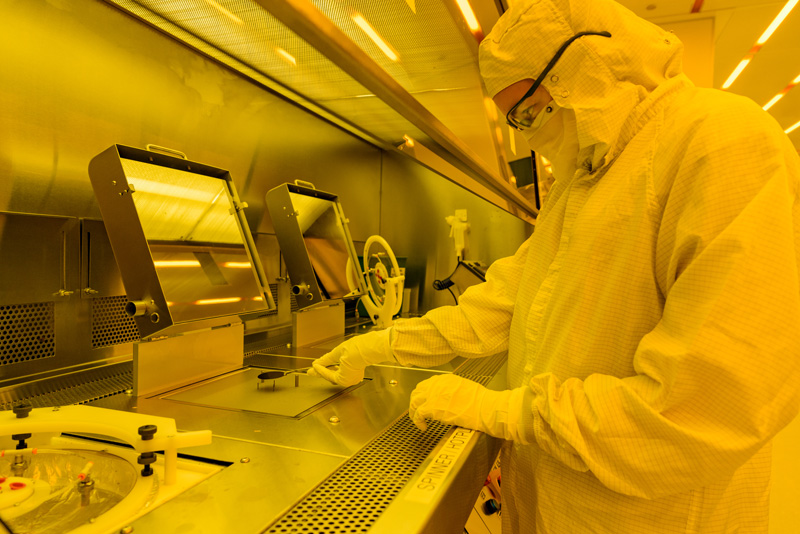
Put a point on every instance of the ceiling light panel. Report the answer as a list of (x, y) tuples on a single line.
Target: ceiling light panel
[(435, 63), (268, 52)]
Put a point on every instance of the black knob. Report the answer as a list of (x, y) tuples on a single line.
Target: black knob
[(22, 410), (147, 431), (20, 439), (145, 459), (491, 507)]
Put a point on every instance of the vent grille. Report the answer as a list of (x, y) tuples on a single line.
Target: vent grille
[(482, 370), (78, 388), (356, 495), (27, 332), (110, 324)]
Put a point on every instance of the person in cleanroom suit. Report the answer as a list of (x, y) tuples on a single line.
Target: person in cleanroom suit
[(652, 320)]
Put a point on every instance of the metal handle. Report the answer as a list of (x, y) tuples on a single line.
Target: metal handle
[(165, 150), (304, 184)]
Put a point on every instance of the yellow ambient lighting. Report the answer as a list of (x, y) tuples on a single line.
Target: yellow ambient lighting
[(218, 301), (237, 264), (177, 263), (491, 109), (736, 72), (372, 34), (286, 55), (796, 80), (224, 11), (793, 128), (777, 22), (258, 298), (176, 191), (469, 15), (773, 101)]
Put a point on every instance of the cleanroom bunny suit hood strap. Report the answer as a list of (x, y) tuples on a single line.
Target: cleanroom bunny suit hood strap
[(609, 83)]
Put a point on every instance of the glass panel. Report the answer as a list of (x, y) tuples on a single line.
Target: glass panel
[(326, 243), (431, 60), (195, 242)]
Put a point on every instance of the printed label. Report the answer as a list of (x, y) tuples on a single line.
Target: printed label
[(428, 483)]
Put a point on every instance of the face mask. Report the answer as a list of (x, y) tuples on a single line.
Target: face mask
[(554, 135)]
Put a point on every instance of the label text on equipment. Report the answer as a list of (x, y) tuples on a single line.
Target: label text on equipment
[(428, 483)]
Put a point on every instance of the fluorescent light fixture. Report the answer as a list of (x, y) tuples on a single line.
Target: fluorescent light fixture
[(372, 34), (512, 140), (237, 264), (469, 15), (176, 191), (224, 11), (228, 300), (773, 101), (177, 263), (409, 141), (286, 55), (796, 80), (777, 22), (790, 129), (736, 72)]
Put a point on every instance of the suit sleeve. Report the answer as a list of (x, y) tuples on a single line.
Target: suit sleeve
[(478, 326)]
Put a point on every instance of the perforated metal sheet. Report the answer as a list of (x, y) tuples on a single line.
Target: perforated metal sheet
[(482, 370), (353, 498), (110, 324), (27, 332), (71, 389)]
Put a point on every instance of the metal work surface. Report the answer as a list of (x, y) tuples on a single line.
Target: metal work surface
[(342, 464), (289, 395)]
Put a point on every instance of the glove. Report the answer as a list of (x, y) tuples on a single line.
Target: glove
[(457, 401), (353, 356)]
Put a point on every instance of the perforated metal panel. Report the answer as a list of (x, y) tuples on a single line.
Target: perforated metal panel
[(356, 495), (482, 370), (110, 324), (27, 332), (69, 389), (352, 500)]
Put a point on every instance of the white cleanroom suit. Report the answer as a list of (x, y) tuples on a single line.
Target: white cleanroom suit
[(652, 320)]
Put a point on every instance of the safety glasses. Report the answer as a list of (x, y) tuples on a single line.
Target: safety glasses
[(519, 117)]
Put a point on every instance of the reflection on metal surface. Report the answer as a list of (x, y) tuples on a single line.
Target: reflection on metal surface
[(180, 238), (283, 393)]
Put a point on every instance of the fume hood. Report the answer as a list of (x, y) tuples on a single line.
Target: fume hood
[(401, 75)]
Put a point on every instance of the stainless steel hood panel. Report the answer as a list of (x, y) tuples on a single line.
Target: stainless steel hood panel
[(431, 91)]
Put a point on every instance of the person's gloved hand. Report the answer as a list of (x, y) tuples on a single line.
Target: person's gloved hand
[(457, 401), (352, 357)]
